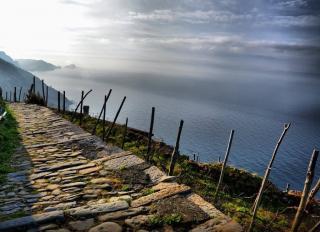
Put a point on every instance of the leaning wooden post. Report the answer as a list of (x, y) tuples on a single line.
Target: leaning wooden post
[(150, 134), (15, 94), (175, 152), (64, 101), (34, 85), (104, 118), (47, 90), (20, 94), (58, 101), (115, 119), (43, 95), (102, 110), (316, 227), (307, 186), (124, 134), (224, 163), (81, 107), (265, 178), (313, 192)]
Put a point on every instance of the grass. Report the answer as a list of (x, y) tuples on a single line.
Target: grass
[(169, 219), (237, 193), (147, 191), (9, 140)]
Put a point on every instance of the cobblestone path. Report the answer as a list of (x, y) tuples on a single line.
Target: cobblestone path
[(65, 179)]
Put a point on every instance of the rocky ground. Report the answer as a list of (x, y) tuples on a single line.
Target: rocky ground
[(65, 179)]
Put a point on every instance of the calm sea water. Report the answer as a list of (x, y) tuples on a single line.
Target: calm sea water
[(256, 107)]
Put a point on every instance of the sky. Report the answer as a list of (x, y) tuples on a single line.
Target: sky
[(186, 36)]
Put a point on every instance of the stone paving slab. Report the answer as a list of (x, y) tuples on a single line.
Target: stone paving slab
[(66, 179)]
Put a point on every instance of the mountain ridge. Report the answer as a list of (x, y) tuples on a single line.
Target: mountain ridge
[(13, 76)]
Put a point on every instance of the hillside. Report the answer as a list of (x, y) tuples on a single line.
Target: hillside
[(12, 76), (36, 65)]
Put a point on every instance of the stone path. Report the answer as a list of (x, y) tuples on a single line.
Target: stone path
[(65, 179)]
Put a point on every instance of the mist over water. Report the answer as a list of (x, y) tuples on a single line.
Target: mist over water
[(255, 104)]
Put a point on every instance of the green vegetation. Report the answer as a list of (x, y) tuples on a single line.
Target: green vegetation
[(34, 98), (9, 140), (169, 219), (237, 193), (147, 191), (125, 188)]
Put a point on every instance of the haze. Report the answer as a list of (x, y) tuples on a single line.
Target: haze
[(189, 37)]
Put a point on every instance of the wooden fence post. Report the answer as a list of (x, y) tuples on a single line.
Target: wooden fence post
[(224, 163), (102, 109), (20, 94), (58, 101), (150, 134), (34, 85), (81, 107), (15, 94), (307, 186), (266, 175), (10, 96), (104, 118), (175, 152), (114, 120), (43, 95), (313, 192), (64, 101), (6, 96), (47, 98), (124, 134)]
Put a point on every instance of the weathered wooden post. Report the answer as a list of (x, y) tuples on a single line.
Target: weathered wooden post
[(34, 85), (124, 134), (224, 164), (81, 107), (43, 95), (266, 175), (58, 101), (20, 94), (150, 134), (47, 98), (6, 96), (15, 94), (64, 101), (104, 119), (307, 186), (313, 192), (10, 96), (175, 152), (106, 98), (114, 120)]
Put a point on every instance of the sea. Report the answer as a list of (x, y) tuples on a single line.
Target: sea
[(256, 106)]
